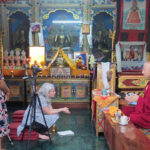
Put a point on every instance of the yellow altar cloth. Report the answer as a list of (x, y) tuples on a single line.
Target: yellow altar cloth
[(104, 101)]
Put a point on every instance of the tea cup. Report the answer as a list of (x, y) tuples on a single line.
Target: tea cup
[(124, 120)]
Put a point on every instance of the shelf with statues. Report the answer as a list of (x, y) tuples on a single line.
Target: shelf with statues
[(14, 63)]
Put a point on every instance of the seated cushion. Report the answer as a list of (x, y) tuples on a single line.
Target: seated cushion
[(19, 112), (13, 133)]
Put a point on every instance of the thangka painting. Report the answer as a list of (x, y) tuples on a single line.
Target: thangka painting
[(16, 90), (81, 91), (66, 91), (131, 56), (134, 14)]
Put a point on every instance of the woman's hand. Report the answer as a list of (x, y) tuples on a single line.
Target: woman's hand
[(66, 110), (6, 96), (132, 98)]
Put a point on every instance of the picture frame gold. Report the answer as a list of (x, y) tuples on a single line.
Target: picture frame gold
[(81, 60), (85, 28)]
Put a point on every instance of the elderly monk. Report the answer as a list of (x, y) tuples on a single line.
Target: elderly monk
[(140, 115)]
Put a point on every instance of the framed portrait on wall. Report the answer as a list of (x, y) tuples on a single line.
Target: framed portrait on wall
[(85, 28), (134, 14), (131, 56), (16, 87), (35, 27), (81, 60)]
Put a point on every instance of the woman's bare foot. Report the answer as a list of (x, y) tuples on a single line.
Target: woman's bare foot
[(43, 137), (46, 133)]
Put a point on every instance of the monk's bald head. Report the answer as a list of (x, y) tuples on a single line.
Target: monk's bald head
[(146, 69)]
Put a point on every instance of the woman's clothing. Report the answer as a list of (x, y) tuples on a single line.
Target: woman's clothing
[(4, 126), (38, 127), (50, 119)]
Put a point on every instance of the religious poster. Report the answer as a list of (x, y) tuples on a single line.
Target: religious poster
[(35, 27), (16, 90), (134, 12), (131, 56), (80, 91), (66, 91), (81, 60)]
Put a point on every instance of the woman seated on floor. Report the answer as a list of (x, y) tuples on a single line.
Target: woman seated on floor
[(46, 92), (140, 115)]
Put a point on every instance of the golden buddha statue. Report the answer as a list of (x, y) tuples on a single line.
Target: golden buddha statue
[(60, 60)]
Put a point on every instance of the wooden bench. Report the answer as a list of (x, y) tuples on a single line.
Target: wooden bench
[(121, 137)]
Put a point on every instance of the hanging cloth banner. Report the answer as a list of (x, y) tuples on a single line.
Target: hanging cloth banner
[(89, 37), (36, 28), (105, 69), (81, 39)]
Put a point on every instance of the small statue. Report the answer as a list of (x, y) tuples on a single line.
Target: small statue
[(60, 60), (17, 58), (92, 61), (12, 58), (23, 57), (6, 61)]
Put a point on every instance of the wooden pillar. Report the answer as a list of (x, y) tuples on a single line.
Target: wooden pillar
[(4, 27), (35, 19), (86, 20)]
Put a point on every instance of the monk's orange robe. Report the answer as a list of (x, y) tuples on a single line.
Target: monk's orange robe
[(140, 115)]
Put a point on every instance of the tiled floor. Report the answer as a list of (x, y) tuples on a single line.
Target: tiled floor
[(79, 122)]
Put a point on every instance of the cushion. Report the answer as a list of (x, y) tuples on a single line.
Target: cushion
[(17, 120), (19, 112)]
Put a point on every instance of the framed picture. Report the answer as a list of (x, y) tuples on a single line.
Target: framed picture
[(16, 87), (35, 27), (37, 55), (131, 56), (85, 28), (134, 14), (81, 60)]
